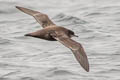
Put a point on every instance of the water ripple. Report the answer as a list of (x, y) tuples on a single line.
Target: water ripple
[(69, 19)]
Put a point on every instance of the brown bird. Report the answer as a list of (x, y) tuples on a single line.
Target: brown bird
[(53, 32)]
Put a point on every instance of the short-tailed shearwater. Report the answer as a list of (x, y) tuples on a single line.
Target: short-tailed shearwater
[(53, 32)]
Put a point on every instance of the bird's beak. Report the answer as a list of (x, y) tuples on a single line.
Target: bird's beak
[(75, 36)]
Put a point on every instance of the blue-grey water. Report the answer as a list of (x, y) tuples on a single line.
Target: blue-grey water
[(96, 22)]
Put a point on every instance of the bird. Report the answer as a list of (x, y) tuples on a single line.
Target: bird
[(53, 32)]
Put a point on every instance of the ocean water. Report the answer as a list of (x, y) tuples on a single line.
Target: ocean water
[(96, 22)]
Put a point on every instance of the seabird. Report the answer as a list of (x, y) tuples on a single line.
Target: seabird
[(52, 32)]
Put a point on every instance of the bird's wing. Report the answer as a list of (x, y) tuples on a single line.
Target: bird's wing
[(76, 48), (41, 18)]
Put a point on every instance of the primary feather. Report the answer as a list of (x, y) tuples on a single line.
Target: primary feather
[(41, 18)]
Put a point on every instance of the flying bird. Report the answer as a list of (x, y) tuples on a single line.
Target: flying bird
[(52, 32)]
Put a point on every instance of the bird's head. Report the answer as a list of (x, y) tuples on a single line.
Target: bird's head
[(72, 34)]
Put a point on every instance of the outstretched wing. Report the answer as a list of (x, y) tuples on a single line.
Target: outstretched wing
[(76, 48), (41, 18)]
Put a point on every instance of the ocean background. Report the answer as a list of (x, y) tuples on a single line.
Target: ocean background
[(96, 22)]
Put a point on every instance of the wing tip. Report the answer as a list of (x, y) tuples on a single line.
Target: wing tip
[(87, 69), (18, 7), (25, 10)]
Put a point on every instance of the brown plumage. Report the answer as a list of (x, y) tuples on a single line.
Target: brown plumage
[(53, 32)]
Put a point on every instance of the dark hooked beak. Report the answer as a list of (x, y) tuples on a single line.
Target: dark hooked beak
[(75, 36)]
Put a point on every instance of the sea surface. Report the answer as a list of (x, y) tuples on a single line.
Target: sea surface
[(96, 22)]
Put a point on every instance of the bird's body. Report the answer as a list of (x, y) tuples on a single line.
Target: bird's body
[(53, 32), (46, 33)]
